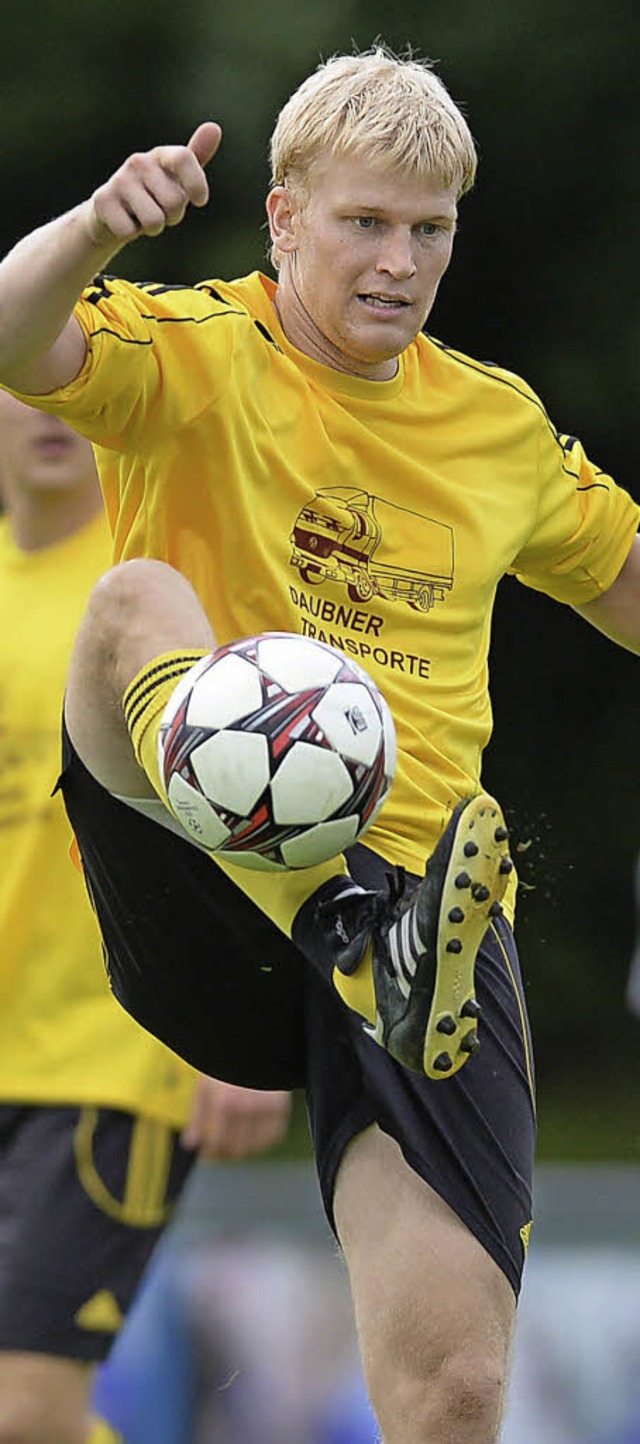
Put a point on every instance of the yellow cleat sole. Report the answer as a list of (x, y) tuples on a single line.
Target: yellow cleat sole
[(475, 882)]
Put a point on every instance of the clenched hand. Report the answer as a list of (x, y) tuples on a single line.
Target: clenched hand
[(152, 189)]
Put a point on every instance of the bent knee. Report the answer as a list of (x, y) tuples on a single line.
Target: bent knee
[(474, 1389), (142, 607), (137, 610), (131, 584), (458, 1397)]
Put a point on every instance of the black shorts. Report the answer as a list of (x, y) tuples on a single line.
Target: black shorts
[(79, 1218), (194, 961)]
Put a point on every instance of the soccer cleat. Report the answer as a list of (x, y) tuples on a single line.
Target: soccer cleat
[(423, 942), (424, 954)]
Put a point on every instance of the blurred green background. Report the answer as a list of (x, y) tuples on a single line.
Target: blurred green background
[(545, 282)]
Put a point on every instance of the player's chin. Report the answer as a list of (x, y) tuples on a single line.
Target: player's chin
[(373, 350), (385, 336)]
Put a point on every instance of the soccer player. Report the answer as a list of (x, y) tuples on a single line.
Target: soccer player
[(99, 1122), (247, 432)]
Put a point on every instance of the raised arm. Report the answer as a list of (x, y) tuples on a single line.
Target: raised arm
[(42, 346), (617, 611)]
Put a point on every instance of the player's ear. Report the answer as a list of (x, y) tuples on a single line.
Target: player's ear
[(284, 214)]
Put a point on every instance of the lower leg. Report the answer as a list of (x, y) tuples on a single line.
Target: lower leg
[(434, 1312)]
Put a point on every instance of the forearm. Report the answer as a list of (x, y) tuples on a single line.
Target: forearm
[(41, 344), (40, 281)]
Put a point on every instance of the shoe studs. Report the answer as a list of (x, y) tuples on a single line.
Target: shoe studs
[(467, 878), (480, 892), (443, 1063), (460, 1024), (447, 1025)]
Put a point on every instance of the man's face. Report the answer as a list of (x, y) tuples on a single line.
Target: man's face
[(364, 256), (38, 453)]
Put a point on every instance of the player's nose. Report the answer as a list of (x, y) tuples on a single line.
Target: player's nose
[(396, 255)]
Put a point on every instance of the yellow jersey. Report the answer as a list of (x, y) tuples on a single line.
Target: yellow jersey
[(63, 1037), (378, 516)]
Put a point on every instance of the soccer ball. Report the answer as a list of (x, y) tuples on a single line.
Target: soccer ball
[(276, 752)]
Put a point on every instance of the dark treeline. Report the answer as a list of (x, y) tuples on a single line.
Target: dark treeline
[(544, 282)]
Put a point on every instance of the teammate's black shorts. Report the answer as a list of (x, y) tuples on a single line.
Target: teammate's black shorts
[(84, 1196), (194, 961)]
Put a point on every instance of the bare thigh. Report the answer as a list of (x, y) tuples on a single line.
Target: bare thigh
[(434, 1312), (44, 1400)]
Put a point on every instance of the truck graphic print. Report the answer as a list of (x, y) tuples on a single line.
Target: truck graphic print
[(374, 548)]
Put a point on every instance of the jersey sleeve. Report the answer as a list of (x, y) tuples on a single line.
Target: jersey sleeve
[(157, 356), (584, 527)]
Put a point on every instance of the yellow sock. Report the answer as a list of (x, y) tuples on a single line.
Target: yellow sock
[(279, 895), (145, 700), (356, 989), (102, 1433)]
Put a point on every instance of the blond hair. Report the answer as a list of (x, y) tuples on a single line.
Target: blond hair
[(392, 110)]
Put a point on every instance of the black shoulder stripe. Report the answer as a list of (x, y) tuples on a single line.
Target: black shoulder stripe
[(479, 367), (98, 290), (263, 332), (567, 443), (195, 320), (163, 321), (101, 289), (211, 291), (102, 286), (126, 340), (158, 288)]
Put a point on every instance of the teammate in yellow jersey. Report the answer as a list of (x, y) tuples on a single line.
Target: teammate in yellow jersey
[(93, 1147), (249, 435)]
